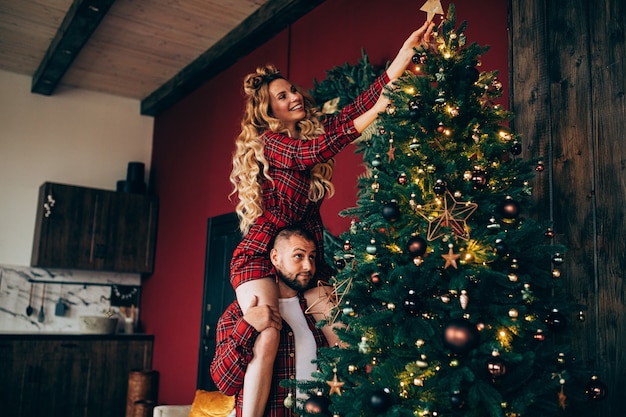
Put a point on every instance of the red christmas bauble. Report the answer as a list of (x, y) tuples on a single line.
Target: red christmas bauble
[(596, 389), (317, 404), (510, 209), (460, 336), (416, 246)]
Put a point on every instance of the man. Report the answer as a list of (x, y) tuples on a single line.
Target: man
[(293, 257)]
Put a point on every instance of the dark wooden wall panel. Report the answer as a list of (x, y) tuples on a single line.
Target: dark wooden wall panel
[(529, 87), (608, 132), (572, 159), (567, 91)]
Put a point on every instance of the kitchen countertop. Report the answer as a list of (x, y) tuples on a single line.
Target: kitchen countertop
[(73, 336)]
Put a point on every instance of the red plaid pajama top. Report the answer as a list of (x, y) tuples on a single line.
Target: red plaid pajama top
[(286, 202), (234, 342)]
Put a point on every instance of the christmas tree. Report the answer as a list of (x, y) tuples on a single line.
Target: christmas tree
[(448, 288)]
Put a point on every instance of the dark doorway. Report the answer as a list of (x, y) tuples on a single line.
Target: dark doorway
[(222, 237)]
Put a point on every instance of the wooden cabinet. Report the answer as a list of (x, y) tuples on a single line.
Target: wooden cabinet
[(87, 228), (69, 375)]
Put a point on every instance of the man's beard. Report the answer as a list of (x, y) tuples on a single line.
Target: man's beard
[(293, 283)]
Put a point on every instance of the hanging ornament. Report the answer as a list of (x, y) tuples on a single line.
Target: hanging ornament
[(493, 224), (415, 145), (402, 179), (375, 185), (391, 211), (381, 400), (555, 320), (317, 404), (376, 280), (540, 167), (340, 263), (561, 360), (371, 247), (456, 400), (364, 347), (415, 108), (451, 257), (479, 178), (334, 384), (501, 248), (516, 148), (509, 209), (464, 299), (471, 74), (440, 126), (596, 389), (453, 214), (549, 233), (557, 259), (347, 246), (460, 336), (439, 187), (391, 156), (411, 303), (376, 162), (288, 402), (416, 246), (539, 335), (391, 109), (561, 395), (496, 366), (348, 311), (581, 316)]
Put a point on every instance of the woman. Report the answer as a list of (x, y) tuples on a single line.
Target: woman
[(282, 169)]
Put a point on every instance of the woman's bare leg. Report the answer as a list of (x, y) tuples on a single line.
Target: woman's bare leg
[(258, 378)]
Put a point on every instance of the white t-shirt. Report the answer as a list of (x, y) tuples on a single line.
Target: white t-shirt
[(306, 349)]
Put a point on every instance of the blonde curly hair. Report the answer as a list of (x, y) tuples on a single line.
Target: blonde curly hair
[(250, 168)]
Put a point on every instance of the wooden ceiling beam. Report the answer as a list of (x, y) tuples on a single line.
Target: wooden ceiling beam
[(82, 18), (258, 28)]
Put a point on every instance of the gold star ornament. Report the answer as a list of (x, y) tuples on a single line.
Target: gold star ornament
[(450, 258), (334, 384), (432, 7)]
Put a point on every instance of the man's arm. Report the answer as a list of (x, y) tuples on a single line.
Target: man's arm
[(234, 342), (320, 305)]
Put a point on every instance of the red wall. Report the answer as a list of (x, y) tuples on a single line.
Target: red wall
[(193, 142)]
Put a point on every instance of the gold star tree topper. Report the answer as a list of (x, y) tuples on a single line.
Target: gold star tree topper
[(432, 7)]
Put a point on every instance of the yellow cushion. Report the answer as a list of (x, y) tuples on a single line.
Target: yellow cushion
[(211, 404)]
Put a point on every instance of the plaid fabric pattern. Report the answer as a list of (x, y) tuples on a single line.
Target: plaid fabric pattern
[(286, 202), (234, 341)]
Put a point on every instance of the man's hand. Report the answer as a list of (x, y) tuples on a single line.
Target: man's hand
[(263, 316)]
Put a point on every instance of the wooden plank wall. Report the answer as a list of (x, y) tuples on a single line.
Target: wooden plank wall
[(568, 60)]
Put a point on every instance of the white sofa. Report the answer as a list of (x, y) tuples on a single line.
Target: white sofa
[(176, 411), (171, 410)]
